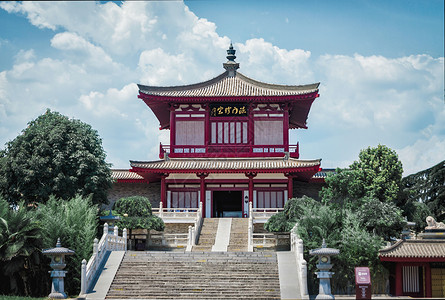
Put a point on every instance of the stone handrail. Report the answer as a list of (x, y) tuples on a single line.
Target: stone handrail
[(170, 239), (108, 242), (296, 246), (175, 215), (181, 215), (261, 215), (250, 229), (269, 239)]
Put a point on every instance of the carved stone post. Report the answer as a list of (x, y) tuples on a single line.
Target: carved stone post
[(83, 278)]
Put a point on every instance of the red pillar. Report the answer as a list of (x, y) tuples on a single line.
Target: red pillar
[(250, 127), (250, 175), (399, 278), (172, 127), (163, 190), (207, 129), (250, 188), (428, 283), (202, 191), (286, 128), (290, 186)]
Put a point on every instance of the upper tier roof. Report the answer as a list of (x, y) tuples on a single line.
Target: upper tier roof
[(225, 85), (231, 86)]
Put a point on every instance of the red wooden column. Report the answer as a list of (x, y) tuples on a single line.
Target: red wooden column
[(250, 127), (428, 283), (202, 191), (207, 129), (163, 190), (285, 107), (172, 126), (399, 278), (290, 185), (250, 175)]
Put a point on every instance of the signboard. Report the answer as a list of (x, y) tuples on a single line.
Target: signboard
[(362, 283), (362, 275), (228, 110)]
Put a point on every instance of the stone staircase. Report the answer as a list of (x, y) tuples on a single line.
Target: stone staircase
[(238, 235), (207, 236), (196, 275)]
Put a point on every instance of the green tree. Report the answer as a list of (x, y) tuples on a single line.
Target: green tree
[(293, 210), (382, 219), (417, 212), (358, 247), (377, 174), (380, 173), (19, 250), (56, 156), (75, 223), (428, 187), (135, 212)]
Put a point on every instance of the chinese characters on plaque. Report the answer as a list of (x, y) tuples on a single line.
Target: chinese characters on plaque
[(228, 110)]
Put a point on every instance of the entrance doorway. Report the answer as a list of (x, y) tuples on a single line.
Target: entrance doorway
[(227, 204)]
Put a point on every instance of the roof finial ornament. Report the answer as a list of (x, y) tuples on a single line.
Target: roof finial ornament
[(231, 53), (231, 66)]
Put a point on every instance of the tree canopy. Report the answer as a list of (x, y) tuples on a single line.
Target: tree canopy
[(427, 187), (357, 213), (135, 212), (376, 174), (56, 156)]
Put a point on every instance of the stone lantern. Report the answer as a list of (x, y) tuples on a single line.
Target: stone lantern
[(324, 265), (110, 219), (57, 256)]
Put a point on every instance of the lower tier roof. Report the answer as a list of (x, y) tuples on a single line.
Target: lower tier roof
[(414, 249), (226, 165)]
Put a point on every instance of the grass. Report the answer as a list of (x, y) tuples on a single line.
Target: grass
[(2, 297)]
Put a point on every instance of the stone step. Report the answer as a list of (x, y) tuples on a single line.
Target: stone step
[(196, 275)]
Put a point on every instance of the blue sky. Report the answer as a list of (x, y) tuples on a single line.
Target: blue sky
[(380, 64)]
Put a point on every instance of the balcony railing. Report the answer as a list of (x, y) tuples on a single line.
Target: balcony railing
[(213, 150)]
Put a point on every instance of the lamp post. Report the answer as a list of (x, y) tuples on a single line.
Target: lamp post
[(324, 265), (57, 256)]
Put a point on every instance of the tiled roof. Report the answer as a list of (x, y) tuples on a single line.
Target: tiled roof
[(125, 175), (224, 85), (415, 249), (228, 164)]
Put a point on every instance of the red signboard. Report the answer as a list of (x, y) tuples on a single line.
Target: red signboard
[(362, 283), (362, 275)]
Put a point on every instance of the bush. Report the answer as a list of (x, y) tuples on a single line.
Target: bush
[(135, 212), (74, 222)]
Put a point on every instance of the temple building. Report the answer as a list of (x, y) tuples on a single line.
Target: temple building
[(417, 265), (229, 145)]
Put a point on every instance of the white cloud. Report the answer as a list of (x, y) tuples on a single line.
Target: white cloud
[(104, 49), (114, 103), (423, 154), (262, 60)]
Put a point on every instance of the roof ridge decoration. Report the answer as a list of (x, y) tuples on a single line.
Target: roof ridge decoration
[(231, 66)]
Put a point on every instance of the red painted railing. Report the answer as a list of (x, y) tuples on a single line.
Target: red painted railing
[(229, 151)]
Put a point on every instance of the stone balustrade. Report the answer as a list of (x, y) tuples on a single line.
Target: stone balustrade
[(108, 242), (296, 246), (178, 215)]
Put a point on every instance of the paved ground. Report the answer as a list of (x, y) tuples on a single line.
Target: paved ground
[(222, 239), (289, 281)]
